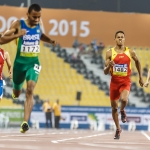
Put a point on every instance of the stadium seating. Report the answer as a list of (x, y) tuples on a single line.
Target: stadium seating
[(8, 103), (58, 80)]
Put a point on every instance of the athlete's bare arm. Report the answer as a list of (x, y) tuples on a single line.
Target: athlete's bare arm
[(14, 28), (138, 66), (13, 33), (45, 38), (148, 79), (9, 32), (9, 66), (108, 63)]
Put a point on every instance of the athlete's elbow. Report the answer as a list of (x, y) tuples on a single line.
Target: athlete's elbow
[(137, 62), (2, 42)]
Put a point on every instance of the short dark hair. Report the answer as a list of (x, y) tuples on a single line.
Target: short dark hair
[(119, 32), (35, 7)]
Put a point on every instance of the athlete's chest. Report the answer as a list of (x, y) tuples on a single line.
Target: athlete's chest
[(30, 43), (32, 35), (121, 59)]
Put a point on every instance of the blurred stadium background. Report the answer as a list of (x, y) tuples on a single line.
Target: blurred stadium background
[(73, 70)]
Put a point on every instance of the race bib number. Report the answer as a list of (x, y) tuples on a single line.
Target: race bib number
[(120, 69), (37, 68), (30, 51)]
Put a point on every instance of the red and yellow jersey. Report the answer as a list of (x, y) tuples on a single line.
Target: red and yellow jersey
[(122, 67), (2, 59)]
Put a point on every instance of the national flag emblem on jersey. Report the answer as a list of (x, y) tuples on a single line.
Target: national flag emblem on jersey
[(38, 31)]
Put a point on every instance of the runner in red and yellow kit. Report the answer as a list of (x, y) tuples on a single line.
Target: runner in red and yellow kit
[(118, 63)]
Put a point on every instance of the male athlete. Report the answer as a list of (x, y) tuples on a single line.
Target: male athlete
[(26, 65), (118, 63)]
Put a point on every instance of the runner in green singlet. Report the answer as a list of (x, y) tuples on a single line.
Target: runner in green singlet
[(26, 65)]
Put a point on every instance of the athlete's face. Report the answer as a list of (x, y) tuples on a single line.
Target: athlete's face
[(120, 39), (34, 17)]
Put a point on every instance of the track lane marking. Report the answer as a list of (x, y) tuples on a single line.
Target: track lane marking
[(110, 146), (24, 135), (62, 140), (145, 135)]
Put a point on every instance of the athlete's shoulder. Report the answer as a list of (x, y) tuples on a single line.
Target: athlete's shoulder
[(109, 51), (1, 49), (131, 50), (16, 22)]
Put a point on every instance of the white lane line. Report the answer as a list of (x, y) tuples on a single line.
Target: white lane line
[(21, 140), (145, 135), (51, 133), (20, 147), (129, 143), (63, 132), (24, 135), (57, 141), (109, 146), (63, 140)]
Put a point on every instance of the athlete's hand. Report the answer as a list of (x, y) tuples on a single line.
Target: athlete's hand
[(22, 32), (54, 43), (141, 82), (111, 63), (10, 74), (146, 84)]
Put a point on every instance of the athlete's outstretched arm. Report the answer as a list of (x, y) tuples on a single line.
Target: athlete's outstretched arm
[(14, 28), (9, 66), (148, 79), (12, 33), (9, 32), (138, 66), (108, 62), (6, 39), (45, 38)]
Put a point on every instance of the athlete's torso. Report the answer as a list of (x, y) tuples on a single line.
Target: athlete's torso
[(122, 67), (28, 46), (2, 59)]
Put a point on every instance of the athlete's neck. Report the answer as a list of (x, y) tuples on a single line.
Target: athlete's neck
[(29, 24), (120, 47)]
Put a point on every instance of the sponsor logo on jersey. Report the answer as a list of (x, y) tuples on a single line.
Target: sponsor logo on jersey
[(31, 37)]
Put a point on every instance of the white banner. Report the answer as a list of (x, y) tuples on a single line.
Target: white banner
[(85, 118)]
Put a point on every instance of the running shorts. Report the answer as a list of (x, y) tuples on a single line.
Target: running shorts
[(29, 73), (117, 87)]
